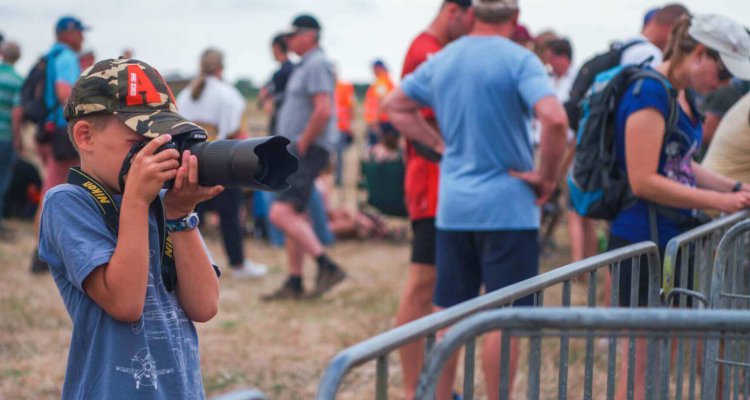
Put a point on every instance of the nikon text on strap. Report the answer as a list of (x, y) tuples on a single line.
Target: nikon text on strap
[(111, 214)]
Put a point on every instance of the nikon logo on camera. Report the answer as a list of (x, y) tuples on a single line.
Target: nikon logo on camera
[(98, 193)]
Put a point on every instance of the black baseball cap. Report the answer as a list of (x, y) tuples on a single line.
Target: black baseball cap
[(462, 3), (305, 21)]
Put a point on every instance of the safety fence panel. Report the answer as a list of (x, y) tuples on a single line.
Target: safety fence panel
[(689, 259), (615, 374), (573, 284), (730, 289)]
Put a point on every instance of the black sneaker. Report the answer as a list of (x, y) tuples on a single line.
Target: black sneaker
[(327, 278), (37, 265), (287, 291)]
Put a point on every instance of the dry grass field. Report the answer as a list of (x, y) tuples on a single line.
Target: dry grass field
[(280, 348)]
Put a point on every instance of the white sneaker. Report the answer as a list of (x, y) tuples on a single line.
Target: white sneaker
[(250, 270)]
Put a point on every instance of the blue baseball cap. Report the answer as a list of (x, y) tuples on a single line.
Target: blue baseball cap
[(69, 23), (650, 14)]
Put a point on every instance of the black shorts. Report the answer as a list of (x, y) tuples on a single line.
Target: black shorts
[(423, 244), (311, 165), (626, 274)]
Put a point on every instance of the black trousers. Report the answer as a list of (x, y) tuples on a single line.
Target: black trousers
[(227, 204)]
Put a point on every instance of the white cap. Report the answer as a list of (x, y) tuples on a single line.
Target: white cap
[(497, 4), (728, 38)]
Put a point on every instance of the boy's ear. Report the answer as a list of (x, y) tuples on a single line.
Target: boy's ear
[(83, 134)]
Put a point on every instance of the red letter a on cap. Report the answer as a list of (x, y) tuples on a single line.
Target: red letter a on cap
[(140, 88)]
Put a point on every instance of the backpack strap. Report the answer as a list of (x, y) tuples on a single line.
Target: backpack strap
[(111, 215), (48, 61), (670, 128)]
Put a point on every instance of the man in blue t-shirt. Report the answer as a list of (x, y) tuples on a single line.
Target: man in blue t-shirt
[(55, 151), (484, 89)]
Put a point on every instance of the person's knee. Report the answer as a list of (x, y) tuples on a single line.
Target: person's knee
[(279, 213)]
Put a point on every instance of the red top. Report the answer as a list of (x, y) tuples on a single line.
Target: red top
[(421, 182)]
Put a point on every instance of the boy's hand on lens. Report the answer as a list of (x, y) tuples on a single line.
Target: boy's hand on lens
[(187, 192), (149, 171)]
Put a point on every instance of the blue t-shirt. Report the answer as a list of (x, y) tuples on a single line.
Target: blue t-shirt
[(64, 67), (154, 358), (483, 90), (632, 224)]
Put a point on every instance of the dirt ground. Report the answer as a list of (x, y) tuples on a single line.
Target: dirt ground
[(280, 348)]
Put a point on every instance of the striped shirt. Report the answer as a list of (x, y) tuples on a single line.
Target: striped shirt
[(10, 87)]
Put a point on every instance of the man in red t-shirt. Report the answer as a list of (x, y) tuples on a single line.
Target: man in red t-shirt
[(454, 20)]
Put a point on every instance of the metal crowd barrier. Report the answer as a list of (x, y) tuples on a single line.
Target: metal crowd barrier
[(558, 327), (730, 289), (379, 347), (695, 251)]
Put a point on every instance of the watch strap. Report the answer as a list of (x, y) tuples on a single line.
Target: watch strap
[(187, 223)]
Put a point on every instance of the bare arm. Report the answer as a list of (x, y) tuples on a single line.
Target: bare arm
[(644, 137), (707, 179), (62, 90), (119, 287), (318, 119), (197, 283), (405, 116), (554, 120)]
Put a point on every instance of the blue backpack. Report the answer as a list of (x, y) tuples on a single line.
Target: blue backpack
[(598, 187)]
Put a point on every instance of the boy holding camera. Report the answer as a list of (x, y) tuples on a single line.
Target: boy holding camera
[(133, 271)]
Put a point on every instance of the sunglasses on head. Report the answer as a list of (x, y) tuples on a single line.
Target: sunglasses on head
[(723, 73)]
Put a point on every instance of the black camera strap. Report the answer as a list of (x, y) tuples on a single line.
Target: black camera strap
[(111, 214)]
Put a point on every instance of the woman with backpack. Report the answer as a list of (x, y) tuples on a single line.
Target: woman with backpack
[(657, 154)]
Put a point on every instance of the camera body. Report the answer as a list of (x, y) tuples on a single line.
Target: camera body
[(262, 163)]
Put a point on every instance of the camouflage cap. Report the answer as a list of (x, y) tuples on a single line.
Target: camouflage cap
[(133, 91)]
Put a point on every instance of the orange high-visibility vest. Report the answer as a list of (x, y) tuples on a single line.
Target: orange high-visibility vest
[(345, 102), (374, 98)]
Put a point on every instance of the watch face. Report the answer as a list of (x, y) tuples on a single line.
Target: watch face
[(192, 221)]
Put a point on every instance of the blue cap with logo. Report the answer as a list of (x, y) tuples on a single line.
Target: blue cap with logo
[(69, 23)]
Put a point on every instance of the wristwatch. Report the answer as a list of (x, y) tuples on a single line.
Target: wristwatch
[(188, 223)]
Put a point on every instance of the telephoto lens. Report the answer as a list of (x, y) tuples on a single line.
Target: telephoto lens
[(263, 163)]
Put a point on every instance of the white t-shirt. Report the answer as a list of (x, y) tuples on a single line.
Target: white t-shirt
[(561, 85), (639, 52), (220, 105)]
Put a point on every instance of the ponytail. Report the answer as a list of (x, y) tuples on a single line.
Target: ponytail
[(211, 63), (680, 45)]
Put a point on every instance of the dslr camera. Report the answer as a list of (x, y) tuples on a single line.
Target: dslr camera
[(262, 163)]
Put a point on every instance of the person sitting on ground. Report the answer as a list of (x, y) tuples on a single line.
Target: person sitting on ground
[(133, 321), (386, 149)]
